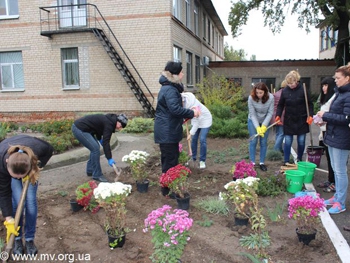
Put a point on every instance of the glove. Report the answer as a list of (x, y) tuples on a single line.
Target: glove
[(10, 227), (25, 178), (259, 131), (309, 120), (111, 162), (277, 119), (263, 128), (101, 141)]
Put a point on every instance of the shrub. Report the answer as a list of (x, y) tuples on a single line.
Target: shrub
[(139, 125), (231, 128), (213, 205), (4, 129), (274, 155), (272, 185)]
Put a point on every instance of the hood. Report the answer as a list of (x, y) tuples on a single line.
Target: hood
[(170, 78), (188, 99)]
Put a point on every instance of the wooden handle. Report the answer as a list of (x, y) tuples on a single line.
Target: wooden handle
[(188, 141), (17, 217), (308, 114)]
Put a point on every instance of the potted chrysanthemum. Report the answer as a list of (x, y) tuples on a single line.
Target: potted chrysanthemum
[(242, 193), (137, 161), (112, 198), (305, 210), (170, 233), (85, 196), (243, 169)]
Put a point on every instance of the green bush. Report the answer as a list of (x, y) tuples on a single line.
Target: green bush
[(213, 205), (4, 129), (139, 125), (274, 155), (231, 128), (272, 185)]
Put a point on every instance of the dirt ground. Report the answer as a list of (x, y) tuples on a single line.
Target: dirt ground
[(80, 237)]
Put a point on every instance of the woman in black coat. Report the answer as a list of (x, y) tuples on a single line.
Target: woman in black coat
[(22, 157), (170, 115), (296, 120)]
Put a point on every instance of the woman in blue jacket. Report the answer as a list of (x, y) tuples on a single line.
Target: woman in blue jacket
[(21, 156), (337, 138), (170, 115)]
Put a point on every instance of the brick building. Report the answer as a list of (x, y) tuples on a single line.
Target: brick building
[(68, 57)]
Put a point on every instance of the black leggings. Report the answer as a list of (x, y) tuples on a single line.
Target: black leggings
[(330, 169), (169, 155)]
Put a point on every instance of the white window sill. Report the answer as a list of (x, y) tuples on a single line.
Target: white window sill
[(9, 17), (71, 88), (12, 90)]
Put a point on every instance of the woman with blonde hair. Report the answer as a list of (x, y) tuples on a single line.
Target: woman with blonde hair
[(337, 138), (296, 121), (22, 158)]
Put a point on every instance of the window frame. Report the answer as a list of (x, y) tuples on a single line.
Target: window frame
[(197, 70), (177, 9), (13, 72), (188, 14), (189, 64), (196, 18), (7, 9), (64, 62), (177, 53)]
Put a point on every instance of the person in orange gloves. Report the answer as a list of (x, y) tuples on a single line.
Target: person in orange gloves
[(296, 121)]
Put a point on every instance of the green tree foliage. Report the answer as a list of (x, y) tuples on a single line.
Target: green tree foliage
[(234, 55), (336, 14)]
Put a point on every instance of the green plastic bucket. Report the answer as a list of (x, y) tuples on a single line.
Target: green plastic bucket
[(309, 169), (295, 179)]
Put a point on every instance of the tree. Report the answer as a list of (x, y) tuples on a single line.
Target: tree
[(233, 55), (336, 15)]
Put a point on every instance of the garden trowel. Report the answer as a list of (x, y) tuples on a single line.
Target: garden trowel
[(118, 172)]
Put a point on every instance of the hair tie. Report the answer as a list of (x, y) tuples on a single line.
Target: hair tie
[(20, 151)]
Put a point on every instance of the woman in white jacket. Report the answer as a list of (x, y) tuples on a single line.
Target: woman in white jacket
[(200, 127)]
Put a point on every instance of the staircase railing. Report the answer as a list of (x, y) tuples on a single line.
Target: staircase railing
[(50, 24)]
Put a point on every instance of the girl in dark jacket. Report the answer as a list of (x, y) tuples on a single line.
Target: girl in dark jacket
[(337, 138), (92, 129), (170, 115), (21, 156), (296, 121)]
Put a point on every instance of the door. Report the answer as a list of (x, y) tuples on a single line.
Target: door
[(73, 15)]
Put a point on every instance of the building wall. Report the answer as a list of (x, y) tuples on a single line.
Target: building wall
[(316, 70), (145, 30)]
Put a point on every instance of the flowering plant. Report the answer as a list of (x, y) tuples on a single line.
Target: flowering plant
[(243, 169), (85, 196), (305, 210), (137, 160), (242, 193), (170, 233), (176, 179), (112, 197), (183, 156)]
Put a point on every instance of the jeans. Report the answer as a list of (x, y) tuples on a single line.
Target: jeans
[(169, 155), (253, 143), (202, 133), (30, 208), (339, 159), (93, 165), (288, 141), (279, 138)]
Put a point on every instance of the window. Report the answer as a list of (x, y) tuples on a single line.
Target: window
[(188, 14), (270, 82), (177, 54), (198, 69), (177, 9), (307, 82), (189, 69), (323, 40), (11, 71), (234, 82), (204, 26), (70, 68), (196, 19), (8, 9), (209, 31), (334, 39)]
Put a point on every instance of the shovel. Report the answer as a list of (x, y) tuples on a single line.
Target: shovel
[(256, 135), (17, 217), (117, 171)]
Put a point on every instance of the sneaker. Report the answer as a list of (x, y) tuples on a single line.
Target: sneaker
[(330, 201), (101, 179), (89, 174), (263, 167), (202, 165), (31, 248), (18, 248), (336, 208)]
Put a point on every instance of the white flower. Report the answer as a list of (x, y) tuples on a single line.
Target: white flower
[(105, 190), (135, 155)]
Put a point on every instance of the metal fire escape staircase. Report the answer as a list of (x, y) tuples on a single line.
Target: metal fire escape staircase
[(96, 23), (124, 71)]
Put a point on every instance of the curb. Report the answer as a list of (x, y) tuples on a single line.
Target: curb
[(75, 156)]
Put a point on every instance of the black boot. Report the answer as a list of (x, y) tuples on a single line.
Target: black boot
[(31, 248), (18, 248)]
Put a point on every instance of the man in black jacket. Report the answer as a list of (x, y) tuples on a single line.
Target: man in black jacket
[(92, 129)]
